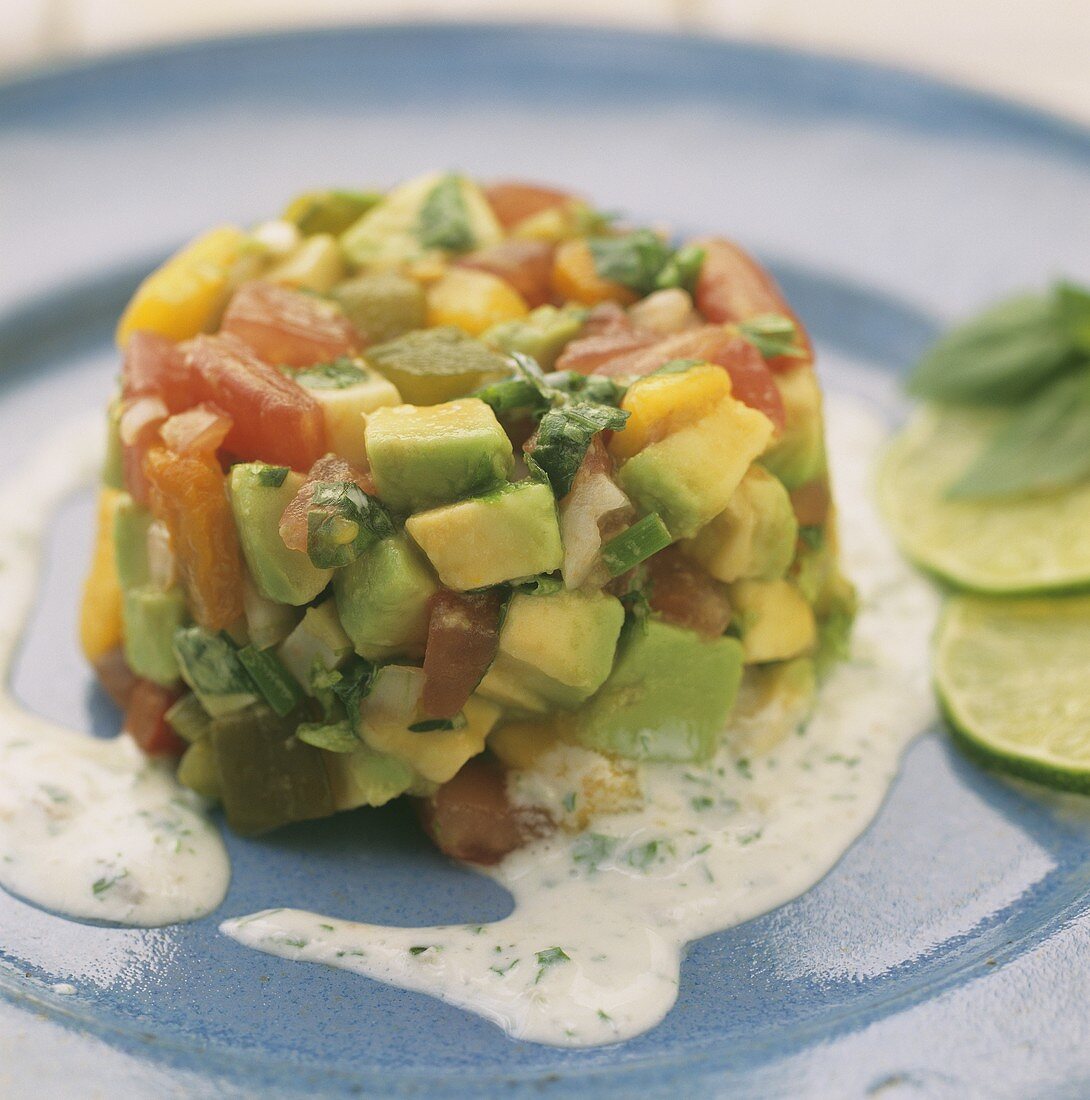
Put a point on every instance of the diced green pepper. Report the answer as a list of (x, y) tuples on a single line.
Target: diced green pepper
[(189, 720)]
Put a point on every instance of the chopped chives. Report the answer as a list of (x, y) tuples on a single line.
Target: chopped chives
[(646, 537), (273, 680), (272, 477)]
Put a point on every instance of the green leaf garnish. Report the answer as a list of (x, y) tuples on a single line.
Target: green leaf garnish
[(682, 269), (272, 477), (444, 218), (645, 537), (551, 956), (332, 737), (634, 260), (562, 439), (342, 522), (773, 335), (277, 686)]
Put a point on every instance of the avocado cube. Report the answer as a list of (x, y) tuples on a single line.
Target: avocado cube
[(668, 697), (774, 620), (151, 617), (798, 455), (557, 649), (209, 664), (131, 524), (501, 536), (689, 477), (316, 265), (437, 364), (281, 575), (365, 777), (329, 211), (346, 391), (753, 537), (382, 304), (319, 638), (421, 457), (541, 334), (197, 769), (382, 599)]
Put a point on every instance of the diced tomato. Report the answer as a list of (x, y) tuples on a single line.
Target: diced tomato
[(156, 367), (275, 419), (514, 202), (733, 286), (115, 677), (463, 636), (471, 817), (294, 525), (287, 327), (201, 429), (145, 720), (684, 594), (525, 265), (188, 493), (811, 502)]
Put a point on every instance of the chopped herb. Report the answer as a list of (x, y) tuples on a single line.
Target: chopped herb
[(342, 522), (560, 444), (340, 374), (433, 725), (634, 260), (592, 849), (569, 802), (277, 686), (296, 943), (510, 395), (331, 736), (643, 855), (327, 927), (744, 768), (353, 685), (605, 1016), (444, 218), (749, 838), (645, 537), (209, 662), (420, 950), (773, 335), (544, 585), (272, 477), (682, 269), (102, 885), (551, 956), (812, 536), (702, 802), (501, 970)]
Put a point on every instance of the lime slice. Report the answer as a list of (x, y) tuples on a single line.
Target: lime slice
[(1018, 546), (1012, 675)]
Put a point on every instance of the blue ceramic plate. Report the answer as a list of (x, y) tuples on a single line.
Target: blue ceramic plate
[(947, 953)]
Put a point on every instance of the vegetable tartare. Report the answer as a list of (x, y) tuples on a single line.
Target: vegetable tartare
[(406, 492)]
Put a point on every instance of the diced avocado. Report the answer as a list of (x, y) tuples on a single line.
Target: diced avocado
[(753, 537), (668, 697), (431, 212), (382, 304), (421, 457), (436, 755), (689, 477), (346, 390), (209, 664), (557, 648), (315, 265), (320, 639), (364, 777), (329, 211), (151, 617), (267, 777), (382, 598), (188, 719), (798, 456), (197, 769), (113, 473), (504, 535), (774, 620), (281, 575), (131, 523), (437, 364), (268, 623), (542, 334)]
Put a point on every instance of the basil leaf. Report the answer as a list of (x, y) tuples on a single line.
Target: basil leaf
[(1002, 356), (342, 522), (634, 260), (1044, 446), (444, 218), (354, 685), (562, 439), (773, 335)]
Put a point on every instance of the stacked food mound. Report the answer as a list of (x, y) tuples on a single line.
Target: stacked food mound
[(426, 491)]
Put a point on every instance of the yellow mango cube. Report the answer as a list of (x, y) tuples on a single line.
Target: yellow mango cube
[(189, 292), (576, 278), (662, 404), (473, 301), (100, 628)]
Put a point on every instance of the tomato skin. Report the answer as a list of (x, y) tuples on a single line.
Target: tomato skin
[(286, 327), (189, 494), (145, 720), (294, 523), (734, 287), (525, 265), (471, 818), (463, 637), (275, 420), (154, 366), (684, 594), (513, 202)]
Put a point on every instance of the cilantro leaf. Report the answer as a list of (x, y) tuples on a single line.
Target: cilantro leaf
[(444, 218)]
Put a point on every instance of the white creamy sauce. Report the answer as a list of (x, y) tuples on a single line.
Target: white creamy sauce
[(88, 828), (592, 952)]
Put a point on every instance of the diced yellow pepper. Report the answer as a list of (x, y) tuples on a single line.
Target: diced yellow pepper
[(665, 403), (100, 627), (473, 301), (189, 292), (576, 278)]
